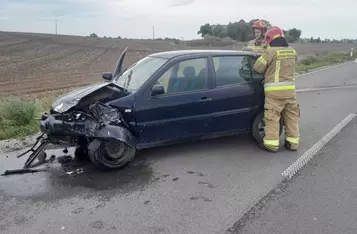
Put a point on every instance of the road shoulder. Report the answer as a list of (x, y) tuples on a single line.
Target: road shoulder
[(320, 198)]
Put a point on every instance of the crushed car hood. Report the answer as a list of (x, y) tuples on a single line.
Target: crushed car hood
[(71, 99)]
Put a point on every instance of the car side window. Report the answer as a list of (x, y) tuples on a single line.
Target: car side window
[(185, 76), (231, 70)]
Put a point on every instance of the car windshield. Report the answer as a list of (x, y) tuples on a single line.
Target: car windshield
[(137, 74)]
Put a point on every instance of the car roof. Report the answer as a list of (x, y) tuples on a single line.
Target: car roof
[(177, 53)]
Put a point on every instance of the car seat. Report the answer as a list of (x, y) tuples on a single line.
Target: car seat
[(180, 84)]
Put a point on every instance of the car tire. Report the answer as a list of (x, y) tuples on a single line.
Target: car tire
[(256, 131), (120, 156)]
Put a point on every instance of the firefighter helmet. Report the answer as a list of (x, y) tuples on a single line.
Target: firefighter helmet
[(273, 33), (260, 24)]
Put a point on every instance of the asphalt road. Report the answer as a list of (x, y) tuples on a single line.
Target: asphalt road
[(320, 199), (202, 187)]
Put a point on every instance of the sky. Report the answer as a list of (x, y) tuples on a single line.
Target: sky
[(175, 18)]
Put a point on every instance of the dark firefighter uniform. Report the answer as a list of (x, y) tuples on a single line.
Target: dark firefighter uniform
[(278, 65)]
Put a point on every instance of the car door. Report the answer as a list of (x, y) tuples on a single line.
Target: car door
[(236, 96), (180, 112)]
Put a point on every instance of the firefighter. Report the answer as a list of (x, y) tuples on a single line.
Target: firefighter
[(278, 65), (258, 44)]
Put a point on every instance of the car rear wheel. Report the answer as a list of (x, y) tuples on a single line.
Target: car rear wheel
[(258, 128), (112, 154)]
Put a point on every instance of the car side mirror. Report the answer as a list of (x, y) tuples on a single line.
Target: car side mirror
[(157, 89), (107, 76)]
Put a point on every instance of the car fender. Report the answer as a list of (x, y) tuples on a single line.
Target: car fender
[(115, 132)]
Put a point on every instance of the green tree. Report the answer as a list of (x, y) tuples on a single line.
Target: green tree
[(233, 31), (219, 31), (241, 30), (205, 30), (292, 34), (295, 33)]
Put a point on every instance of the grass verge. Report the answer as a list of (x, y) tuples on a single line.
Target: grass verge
[(18, 116), (313, 62)]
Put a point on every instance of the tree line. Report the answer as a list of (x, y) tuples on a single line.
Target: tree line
[(333, 41), (241, 31)]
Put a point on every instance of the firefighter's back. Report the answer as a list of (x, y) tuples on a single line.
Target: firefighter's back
[(281, 70)]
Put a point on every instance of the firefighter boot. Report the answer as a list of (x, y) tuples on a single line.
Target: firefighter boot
[(262, 146), (290, 146)]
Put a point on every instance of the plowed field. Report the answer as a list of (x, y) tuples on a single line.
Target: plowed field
[(38, 64)]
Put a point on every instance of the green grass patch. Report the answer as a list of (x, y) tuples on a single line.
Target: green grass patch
[(18, 116), (313, 62)]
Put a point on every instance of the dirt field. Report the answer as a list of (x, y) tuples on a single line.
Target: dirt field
[(38, 64)]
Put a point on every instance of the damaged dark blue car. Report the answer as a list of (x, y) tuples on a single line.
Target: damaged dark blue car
[(164, 98)]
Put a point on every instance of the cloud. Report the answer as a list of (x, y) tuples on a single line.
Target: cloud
[(175, 3), (174, 18)]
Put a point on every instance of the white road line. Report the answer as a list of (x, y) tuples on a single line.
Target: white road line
[(323, 69), (303, 159), (326, 88)]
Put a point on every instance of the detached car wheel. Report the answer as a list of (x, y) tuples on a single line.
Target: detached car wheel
[(258, 128), (111, 155)]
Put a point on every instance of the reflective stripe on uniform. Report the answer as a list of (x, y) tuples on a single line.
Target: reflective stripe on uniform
[(256, 47), (273, 143), (293, 140), (289, 83), (277, 71), (279, 86), (284, 54), (262, 60)]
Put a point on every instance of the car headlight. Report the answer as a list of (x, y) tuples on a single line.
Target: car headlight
[(58, 108)]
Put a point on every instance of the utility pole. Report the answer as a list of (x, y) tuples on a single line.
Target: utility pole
[(153, 32), (56, 25)]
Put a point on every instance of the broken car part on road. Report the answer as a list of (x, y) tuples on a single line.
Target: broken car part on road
[(137, 108), (38, 153)]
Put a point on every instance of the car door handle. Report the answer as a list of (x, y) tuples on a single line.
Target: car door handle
[(205, 99)]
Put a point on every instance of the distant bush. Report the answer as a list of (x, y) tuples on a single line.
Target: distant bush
[(174, 40), (308, 60), (323, 59), (213, 41), (18, 112), (17, 116)]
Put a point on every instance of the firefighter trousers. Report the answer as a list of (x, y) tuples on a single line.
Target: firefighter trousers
[(289, 110)]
